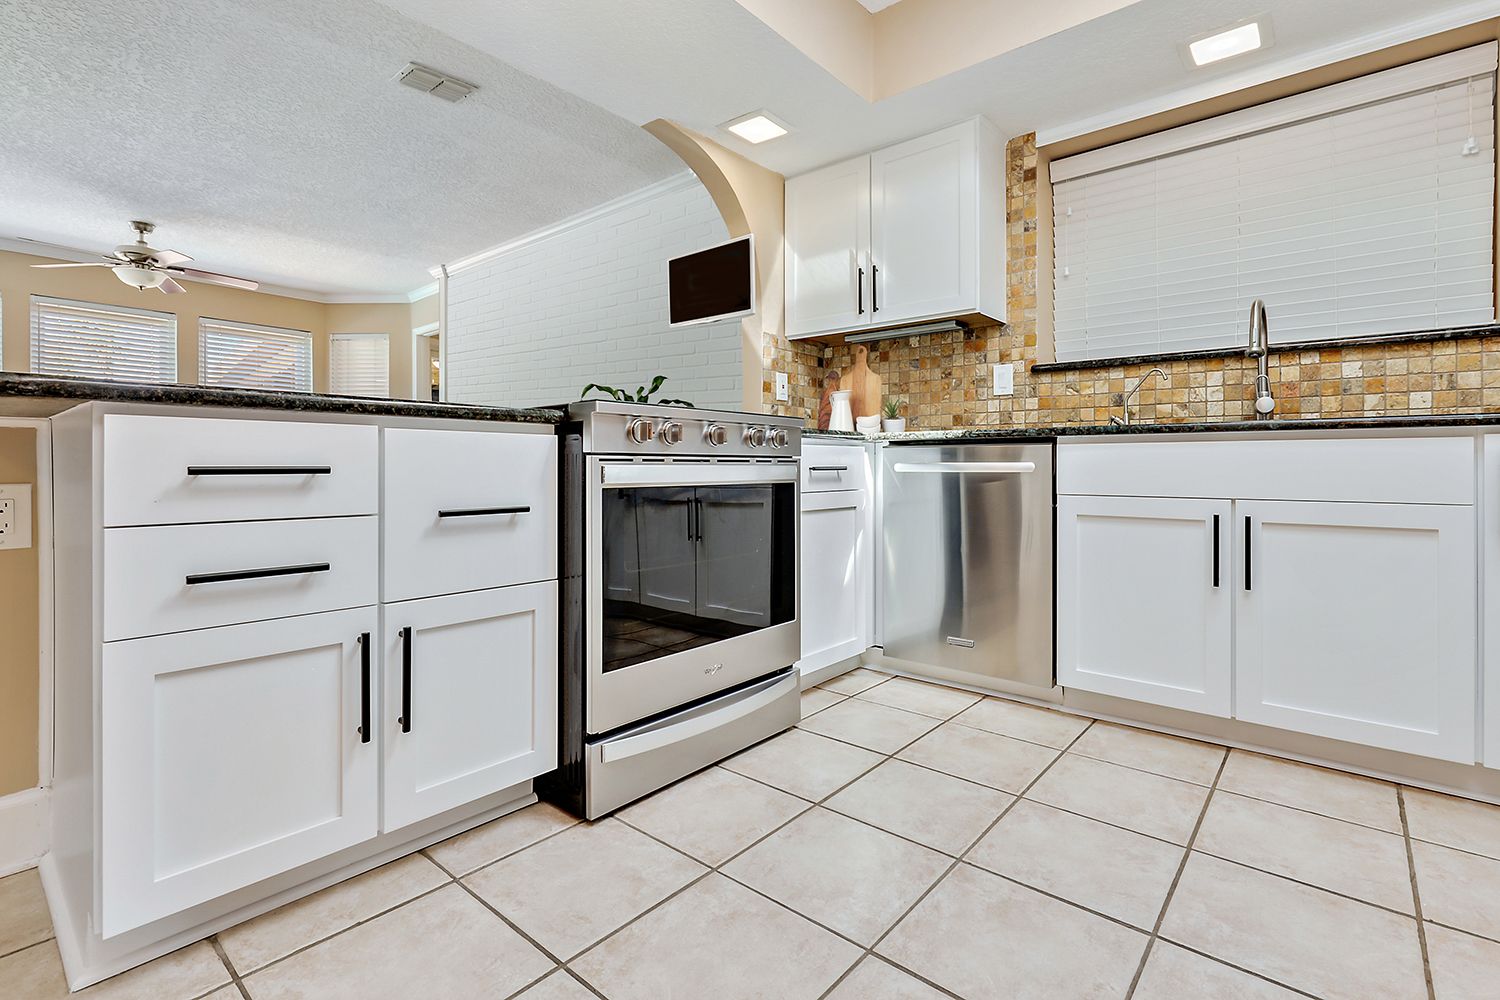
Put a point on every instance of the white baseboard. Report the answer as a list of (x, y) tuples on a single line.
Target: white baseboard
[(23, 830)]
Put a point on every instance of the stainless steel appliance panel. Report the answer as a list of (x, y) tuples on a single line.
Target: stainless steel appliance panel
[(966, 572)]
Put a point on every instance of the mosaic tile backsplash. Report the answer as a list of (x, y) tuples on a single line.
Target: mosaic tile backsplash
[(946, 378)]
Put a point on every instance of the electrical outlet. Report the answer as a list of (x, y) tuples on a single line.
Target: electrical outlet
[(15, 516), (783, 390), (1005, 380)]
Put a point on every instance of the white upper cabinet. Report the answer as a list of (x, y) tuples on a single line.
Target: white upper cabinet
[(912, 232)]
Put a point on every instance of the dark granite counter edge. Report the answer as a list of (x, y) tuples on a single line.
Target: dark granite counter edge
[(13, 384), (1424, 336)]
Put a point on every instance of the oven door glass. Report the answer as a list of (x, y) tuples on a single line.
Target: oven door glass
[(688, 566)]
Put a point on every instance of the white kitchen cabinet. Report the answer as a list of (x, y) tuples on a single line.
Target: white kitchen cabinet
[(837, 577), (1144, 599), (1356, 621), (470, 697), (231, 755), (908, 233), (1489, 521)]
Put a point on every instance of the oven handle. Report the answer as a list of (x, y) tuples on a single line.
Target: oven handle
[(705, 474), (749, 702)]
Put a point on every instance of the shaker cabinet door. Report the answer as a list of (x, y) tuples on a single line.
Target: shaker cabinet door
[(827, 247), (837, 579)]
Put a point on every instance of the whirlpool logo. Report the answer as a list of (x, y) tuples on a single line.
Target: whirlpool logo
[(710, 671)]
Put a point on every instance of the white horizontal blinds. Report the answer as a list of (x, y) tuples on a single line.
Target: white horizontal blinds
[(244, 356), (87, 340), (359, 364), (1371, 218)]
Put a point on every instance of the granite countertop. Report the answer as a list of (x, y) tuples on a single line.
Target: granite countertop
[(45, 389), (1000, 433)]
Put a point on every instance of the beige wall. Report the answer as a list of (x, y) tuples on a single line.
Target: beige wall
[(19, 652)]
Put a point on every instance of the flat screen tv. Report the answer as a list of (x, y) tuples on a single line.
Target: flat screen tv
[(713, 284)]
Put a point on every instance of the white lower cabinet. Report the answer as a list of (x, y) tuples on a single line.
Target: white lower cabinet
[(1144, 599), (230, 755), (837, 577), (1357, 622), (470, 697)]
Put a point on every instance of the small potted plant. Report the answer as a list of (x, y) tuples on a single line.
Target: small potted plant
[(894, 422)]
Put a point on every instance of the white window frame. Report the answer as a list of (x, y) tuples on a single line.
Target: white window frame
[(334, 374), (298, 379), (156, 362)]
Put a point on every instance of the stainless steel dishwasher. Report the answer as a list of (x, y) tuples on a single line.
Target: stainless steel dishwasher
[(966, 566)]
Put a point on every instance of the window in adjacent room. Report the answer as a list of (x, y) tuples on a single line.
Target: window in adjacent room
[(245, 356), (359, 364), (90, 340)]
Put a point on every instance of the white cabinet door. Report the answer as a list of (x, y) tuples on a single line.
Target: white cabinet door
[(924, 226), (1356, 622), (836, 578), (230, 755), (827, 240), (470, 697), (1490, 539), (1143, 600)]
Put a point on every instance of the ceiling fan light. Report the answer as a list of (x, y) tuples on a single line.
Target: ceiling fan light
[(139, 277)]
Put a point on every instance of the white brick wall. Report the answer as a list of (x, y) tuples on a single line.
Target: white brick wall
[(538, 322)]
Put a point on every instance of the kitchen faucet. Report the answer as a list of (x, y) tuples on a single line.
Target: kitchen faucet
[(1125, 422), (1260, 349)]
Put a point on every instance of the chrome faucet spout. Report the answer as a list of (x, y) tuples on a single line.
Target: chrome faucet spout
[(1124, 421), (1260, 349)]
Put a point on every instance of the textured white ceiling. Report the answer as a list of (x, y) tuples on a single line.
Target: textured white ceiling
[(270, 139)]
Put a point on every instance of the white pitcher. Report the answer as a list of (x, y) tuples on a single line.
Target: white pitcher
[(842, 418)]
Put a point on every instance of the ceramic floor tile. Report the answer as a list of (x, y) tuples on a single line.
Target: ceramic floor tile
[(230, 992), (571, 890), (714, 814), (1186, 760), (810, 766), (1174, 973), (1458, 889), (445, 944), (36, 973), (24, 919), (867, 724), (268, 937), (857, 680), (1024, 722), (1464, 967), (1316, 789), (1453, 822), (847, 876), (942, 812), (990, 759), (814, 700), (497, 838), (1147, 803), (984, 937), (1294, 934), (1111, 871), (558, 986), (1329, 853), (918, 696), (721, 941), (874, 979)]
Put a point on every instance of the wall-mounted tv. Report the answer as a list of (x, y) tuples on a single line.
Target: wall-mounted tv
[(713, 284)]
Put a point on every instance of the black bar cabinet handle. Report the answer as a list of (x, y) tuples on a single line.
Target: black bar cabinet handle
[(257, 574), (482, 511), (860, 293), (364, 687), (828, 468), (405, 718), (259, 470), (1216, 551), (1247, 553), (874, 289), (698, 503)]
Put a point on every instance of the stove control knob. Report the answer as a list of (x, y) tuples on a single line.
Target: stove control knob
[(755, 437), (779, 438), (671, 432), (641, 430), (716, 434)]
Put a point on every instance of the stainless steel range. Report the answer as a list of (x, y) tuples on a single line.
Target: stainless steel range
[(679, 595)]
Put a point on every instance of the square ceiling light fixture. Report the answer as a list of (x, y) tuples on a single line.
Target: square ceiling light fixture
[(756, 127), (1229, 42)]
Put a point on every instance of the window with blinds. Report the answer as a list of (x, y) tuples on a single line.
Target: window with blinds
[(88, 340), (359, 364), (1362, 209), (244, 356)]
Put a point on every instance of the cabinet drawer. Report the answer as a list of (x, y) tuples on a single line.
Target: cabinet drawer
[(188, 470), (825, 468), (189, 576), (467, 510)]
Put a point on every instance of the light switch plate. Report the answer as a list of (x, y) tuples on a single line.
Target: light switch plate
[(783, 390), (1005, 380), (15, 515)]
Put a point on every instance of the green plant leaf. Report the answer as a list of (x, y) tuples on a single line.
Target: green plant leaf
[(655, 385), (674, 402), (611, 391)]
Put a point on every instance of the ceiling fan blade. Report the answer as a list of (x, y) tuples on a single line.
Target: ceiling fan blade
[(171, 287), (166, 258), (96, 264), (216, 279)]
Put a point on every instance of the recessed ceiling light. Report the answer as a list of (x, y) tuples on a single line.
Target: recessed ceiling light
[(756, 127), (1221, 45)]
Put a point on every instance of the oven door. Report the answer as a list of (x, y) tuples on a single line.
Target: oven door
[(692, 582)]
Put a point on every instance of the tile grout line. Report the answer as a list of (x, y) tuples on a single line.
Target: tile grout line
[(1187, 855), (1416, 894), (17, 951), (234, 975), (1239, 968)]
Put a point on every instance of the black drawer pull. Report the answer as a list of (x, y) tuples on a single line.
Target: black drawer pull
[(405, 719), (257, 574), (259, 470), (482, 511), (1248, 548), (364, 688), (1216, 550), (828, 468)]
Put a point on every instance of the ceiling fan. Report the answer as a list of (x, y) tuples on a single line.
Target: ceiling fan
[(141, 266)]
